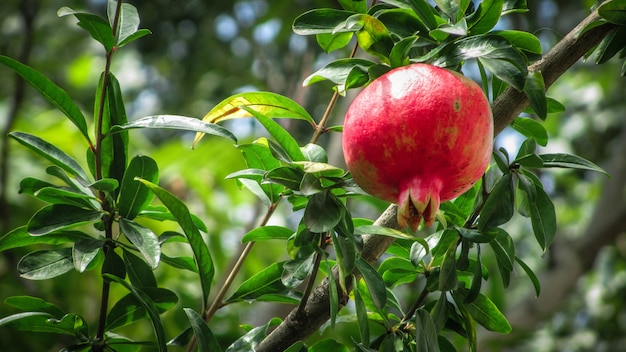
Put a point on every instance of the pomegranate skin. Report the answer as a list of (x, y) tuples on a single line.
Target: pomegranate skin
[(417, 136)]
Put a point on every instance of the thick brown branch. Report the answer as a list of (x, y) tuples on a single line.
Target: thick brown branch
[(508, 106)]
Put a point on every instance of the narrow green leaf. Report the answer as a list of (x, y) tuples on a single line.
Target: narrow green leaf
[(58, 217), (543, 218), (531, 275), (521, 40), (45, 264), (177, 122), (58, 195), (447, 276), (253, 337), (468, 322), (499, 206), (426, 333), (114, 265), (535, 90), (53, 93), (375, 283), (128, 309), (267, 233), (440, 312), (425, 12), (139, 272), (570, 161), (485, 312), (531, 129), (361, 315), (284, 138), (333, 294), (131, 38), (183, 217), (319, 21), (375, 38), (295, 271), (34, 304), (345, 73), (186, 263), (504, 249), (150, 307), (114, 147), (133, 195), (95, 25), (266, 281), (144, 239), (51, 153), (206, 340)]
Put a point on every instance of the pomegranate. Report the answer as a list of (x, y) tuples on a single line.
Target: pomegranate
[(417, 136)]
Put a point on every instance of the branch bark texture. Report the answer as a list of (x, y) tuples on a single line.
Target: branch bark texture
[(508, 106)]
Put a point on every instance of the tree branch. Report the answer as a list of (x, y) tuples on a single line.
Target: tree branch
[(508, 106)]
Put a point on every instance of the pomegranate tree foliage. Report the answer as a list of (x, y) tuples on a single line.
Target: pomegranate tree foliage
[(92, 223)]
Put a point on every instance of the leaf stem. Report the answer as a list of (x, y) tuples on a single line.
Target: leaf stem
[(418, 303), (97, 150)]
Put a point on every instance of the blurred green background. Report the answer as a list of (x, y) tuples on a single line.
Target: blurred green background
[(199, 53)]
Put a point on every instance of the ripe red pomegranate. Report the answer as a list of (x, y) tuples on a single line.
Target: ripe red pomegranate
[(417, 136)]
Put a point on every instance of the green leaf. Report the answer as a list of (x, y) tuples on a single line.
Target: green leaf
[(531, 275), (177, 122), (322, 212), (453, 9), (504, 249), (128, 309), (50, 91), (374, 37), (440, 312), (186, 263), (139, 272), (531, 129), (58, 195), (485, 312), (330, 42), (485, 17), (249, 341), (375, 283), (128, 20), (385, 231), (295, 271), (113, 264), (206, 340), (34, 304), (45, 264), (354, 5), (133, 195), (526, 155), (468, 322), (161, 213), (499, 206), (613, 11), (266, 281), (521, 40), (399, 55), (267, 233), (183, 217), (131, 38), (284, 138), (361, 315), (543, 218), (326, 345), (345, 73), (60, 217), (426, 333), (402, 22), (319, 21), (333, 294), (51, 153), (287, 176), (425, 12), (570, 161), (315, 153), (150, 307), (84, 252), (266, 104), (114, 147), (535, 90), (97, 26), (447, 276), (144, 239), (514, 6)]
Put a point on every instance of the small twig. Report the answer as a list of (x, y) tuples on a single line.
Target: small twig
[(418, 303), (321, 126)]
